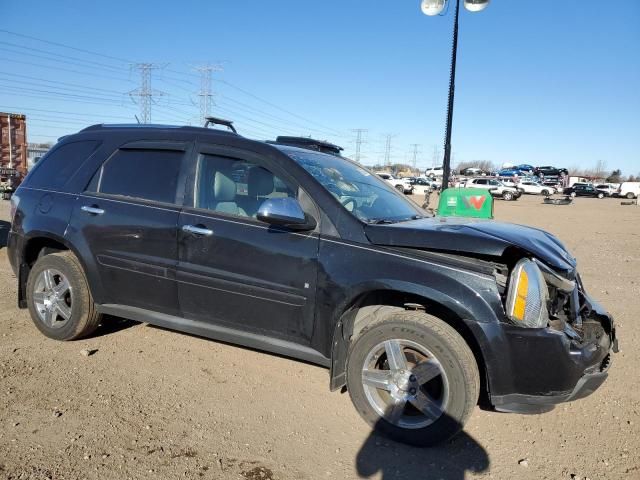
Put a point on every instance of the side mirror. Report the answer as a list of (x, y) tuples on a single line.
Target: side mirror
[(285, 212)]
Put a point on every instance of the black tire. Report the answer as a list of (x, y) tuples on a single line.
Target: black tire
[(545, 193), (83, 318), (455, 359), (601, 195), (508, 196), (630, 196), (400, 188)]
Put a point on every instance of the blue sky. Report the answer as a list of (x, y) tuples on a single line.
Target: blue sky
[(555, 84)]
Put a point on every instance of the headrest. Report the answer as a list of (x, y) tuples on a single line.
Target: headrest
[(224, 188), (260, 182)]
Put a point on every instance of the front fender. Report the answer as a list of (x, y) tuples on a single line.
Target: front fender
[(473, 308)]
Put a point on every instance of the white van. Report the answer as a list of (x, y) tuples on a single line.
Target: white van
[(629, 189)]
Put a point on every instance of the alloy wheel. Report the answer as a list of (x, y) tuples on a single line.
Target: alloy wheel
[(53, 298), (405, 384)]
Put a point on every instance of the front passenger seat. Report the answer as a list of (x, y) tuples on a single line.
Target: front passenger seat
[(260, 184), (224, 195)]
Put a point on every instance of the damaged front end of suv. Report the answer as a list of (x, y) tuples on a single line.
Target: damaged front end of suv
[(549, 341), (560, 327)]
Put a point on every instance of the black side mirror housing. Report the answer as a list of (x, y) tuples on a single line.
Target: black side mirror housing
[(285, 212)]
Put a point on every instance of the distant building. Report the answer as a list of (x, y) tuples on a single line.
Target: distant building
[(35, 151), (13, 144)]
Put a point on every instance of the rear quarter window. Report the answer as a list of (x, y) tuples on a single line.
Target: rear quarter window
[(59, 165), (142, 174)]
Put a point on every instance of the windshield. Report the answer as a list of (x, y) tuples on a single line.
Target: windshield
[(362, 193)]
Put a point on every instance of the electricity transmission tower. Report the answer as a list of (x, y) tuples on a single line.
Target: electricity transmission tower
[(206, 92), (435, 159), (387, 149), (359, 141), (415, 155), (145, 93)]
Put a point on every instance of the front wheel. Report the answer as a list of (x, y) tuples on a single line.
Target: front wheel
[(412, 377), (545, 193), (630, 196), (601, 195), (573, 194), (400, 188), (508, 196)]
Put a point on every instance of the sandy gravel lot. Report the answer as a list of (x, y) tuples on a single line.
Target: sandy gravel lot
[(150, 403)]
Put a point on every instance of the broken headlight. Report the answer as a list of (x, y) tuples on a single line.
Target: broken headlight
[(527, 297)]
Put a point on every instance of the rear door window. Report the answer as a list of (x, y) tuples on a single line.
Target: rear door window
[(141, 174), (59, 165)]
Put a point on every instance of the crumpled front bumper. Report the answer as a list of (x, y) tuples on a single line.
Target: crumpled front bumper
[(552, 367)]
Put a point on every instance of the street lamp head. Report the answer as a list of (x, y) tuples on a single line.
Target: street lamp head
[(476, 5), (432, 7)]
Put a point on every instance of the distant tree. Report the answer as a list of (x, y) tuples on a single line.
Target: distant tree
[(615, 176), (631, 178), (601, 168)]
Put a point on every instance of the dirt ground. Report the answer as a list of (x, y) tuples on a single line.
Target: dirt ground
[(150, 403)]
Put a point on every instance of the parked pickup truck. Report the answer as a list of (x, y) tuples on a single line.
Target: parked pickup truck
[(495, 187)]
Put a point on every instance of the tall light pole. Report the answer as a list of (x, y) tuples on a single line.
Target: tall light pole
[(436, 7)]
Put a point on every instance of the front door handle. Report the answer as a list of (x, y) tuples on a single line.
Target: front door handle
[(92, 210), (197, 230)]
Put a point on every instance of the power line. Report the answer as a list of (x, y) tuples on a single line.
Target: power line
[(64, 46), (23, 109), (336, 133)]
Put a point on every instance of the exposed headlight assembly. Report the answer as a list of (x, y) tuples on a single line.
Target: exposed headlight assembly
[(527, 298)]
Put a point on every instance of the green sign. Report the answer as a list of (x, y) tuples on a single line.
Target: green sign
[(466, 202)]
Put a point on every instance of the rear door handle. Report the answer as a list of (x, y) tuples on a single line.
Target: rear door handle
[(92, 210), (197, 230)]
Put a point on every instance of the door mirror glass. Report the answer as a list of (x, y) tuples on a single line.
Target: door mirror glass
[(285, 212)]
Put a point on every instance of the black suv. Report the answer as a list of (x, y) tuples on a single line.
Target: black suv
[(311, 256), (583, 190)]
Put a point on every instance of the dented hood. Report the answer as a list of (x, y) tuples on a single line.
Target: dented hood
[(480, 237)]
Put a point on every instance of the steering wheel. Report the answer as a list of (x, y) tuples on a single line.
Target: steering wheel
[(349, 203)]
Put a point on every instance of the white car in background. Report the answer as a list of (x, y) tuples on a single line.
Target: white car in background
[(536, 188), (608, 188), (495, 187), (434, 172), (401, 184)]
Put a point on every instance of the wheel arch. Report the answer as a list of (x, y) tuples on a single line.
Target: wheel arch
[(369, 305), (35, 245)]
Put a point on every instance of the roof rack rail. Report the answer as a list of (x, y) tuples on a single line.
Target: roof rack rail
[(219, 121), (308, 143)]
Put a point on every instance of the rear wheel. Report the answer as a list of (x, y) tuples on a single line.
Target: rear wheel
[(601, 195), (400, 188), (412, 377), (573, 194), (59, 300)]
